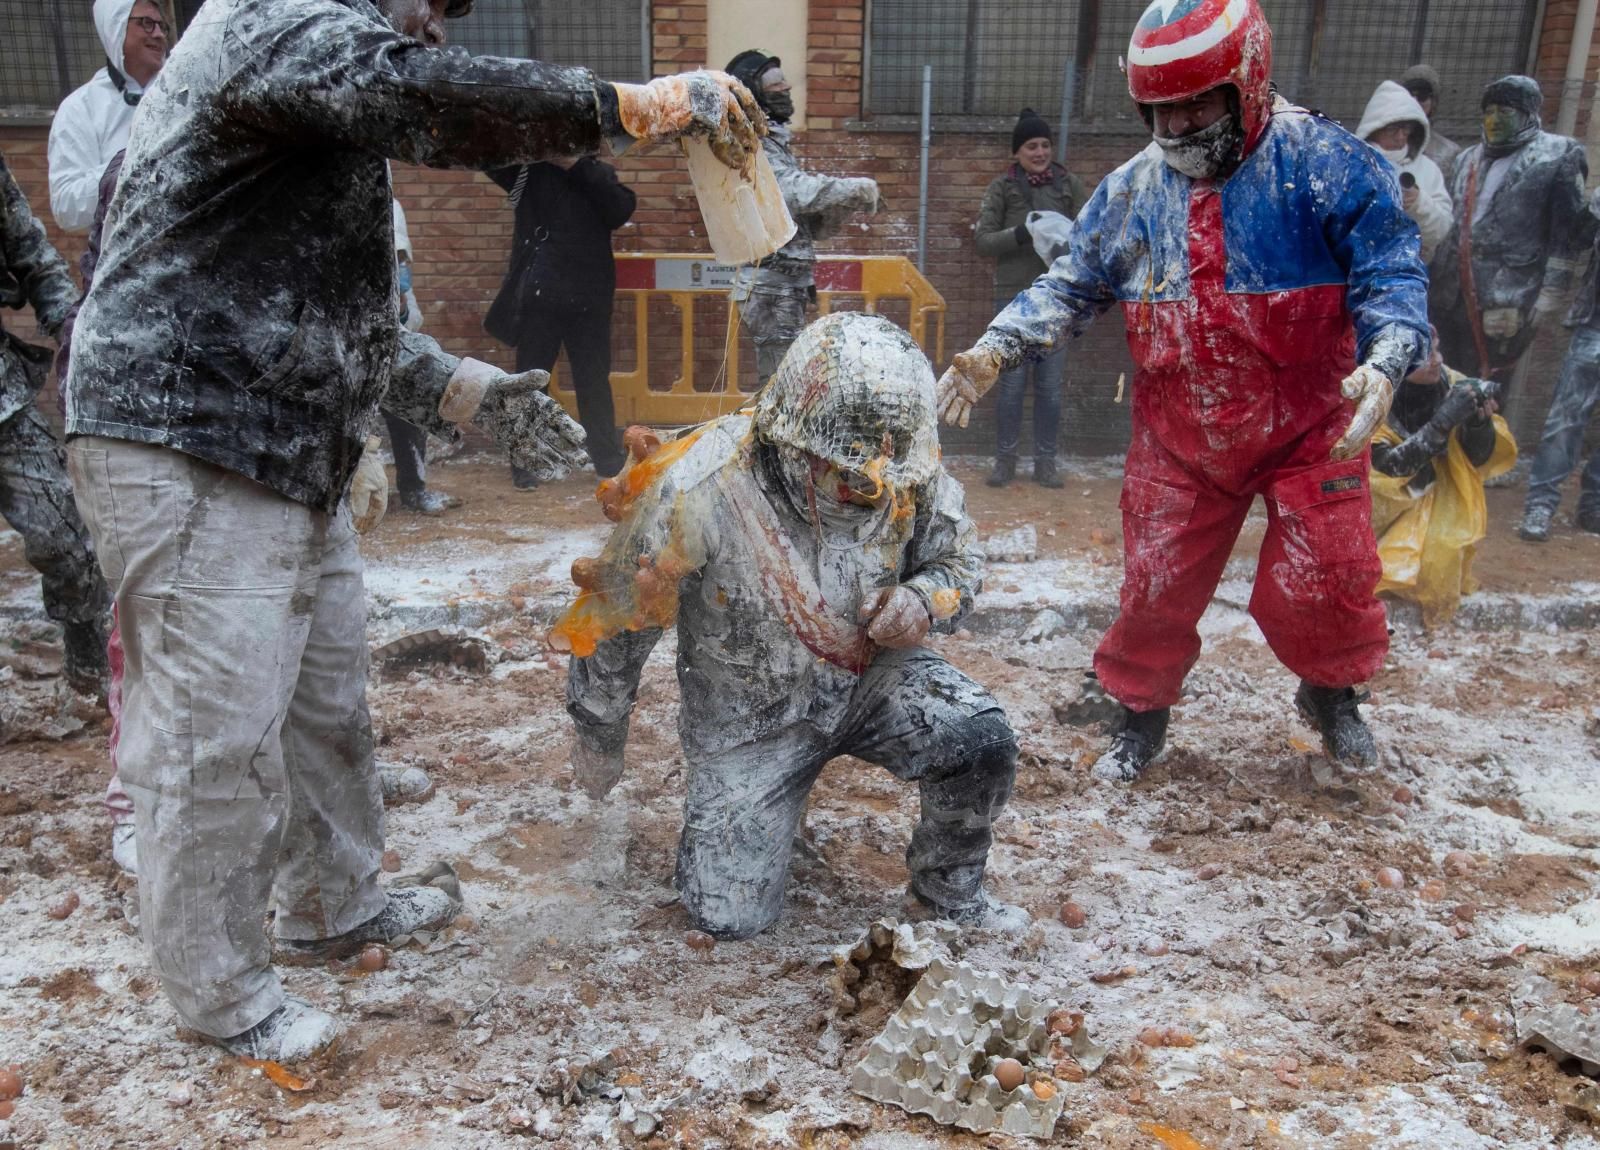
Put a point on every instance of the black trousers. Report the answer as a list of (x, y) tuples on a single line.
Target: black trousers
[(410, 444), (586, 334)]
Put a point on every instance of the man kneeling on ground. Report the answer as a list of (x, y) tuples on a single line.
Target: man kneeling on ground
[(804, 552)]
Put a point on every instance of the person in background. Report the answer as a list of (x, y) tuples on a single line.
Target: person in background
[(92, 123), (559, 289), (774, 295), (410, 443), (1423, 84), (1519, 215), (1032, 182), (1397, 128), (1439, 443), (1571, 411), (35, 493)]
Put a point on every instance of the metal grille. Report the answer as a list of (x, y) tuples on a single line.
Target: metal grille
[(993, 57), (47, 48), (606, 36)]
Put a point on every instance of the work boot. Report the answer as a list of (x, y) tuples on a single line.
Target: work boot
[(427, 501), (1044, 473), (404, 784), (124, 848), (1005, 470), (1589, 520), (1142, 737), (84, 664), (987, 913), (295, 1032), (1535, 525), (409, 909), (1333, 713), (523, 479)]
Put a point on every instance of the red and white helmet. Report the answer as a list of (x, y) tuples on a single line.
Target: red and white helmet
[(1181, 48)]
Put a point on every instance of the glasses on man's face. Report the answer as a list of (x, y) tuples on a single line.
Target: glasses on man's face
[(149, 25)]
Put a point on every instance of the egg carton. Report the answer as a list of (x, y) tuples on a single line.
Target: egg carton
[(937, 1054), (909, 946), (1543, 1020)]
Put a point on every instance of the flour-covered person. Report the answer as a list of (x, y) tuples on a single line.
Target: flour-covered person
[(226, 371)]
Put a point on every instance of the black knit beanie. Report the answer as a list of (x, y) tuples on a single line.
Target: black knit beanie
[(1519, 92), (1030, 126)]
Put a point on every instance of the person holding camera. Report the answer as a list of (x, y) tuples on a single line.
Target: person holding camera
[(1440, 442), (1396, 127)]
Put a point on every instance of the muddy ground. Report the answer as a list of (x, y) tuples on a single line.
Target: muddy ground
[(1232, 894)]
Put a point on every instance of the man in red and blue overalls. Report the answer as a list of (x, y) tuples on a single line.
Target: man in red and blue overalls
[(1274, 294)]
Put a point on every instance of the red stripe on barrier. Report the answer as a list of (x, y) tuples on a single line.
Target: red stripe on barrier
[(839, 275), (636, 275)]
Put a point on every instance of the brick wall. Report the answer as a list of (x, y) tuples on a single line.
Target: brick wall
[(461, 227)]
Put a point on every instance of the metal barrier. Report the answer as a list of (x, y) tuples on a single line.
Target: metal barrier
[(683, 278)]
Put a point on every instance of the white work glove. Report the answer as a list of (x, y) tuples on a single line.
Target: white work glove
[(970, 376), (525, 422), (1502, 322), (709, 104), (1051, 233), (1550, 304), (369, 489), (1372, 392), (895, 617), (595, 771)]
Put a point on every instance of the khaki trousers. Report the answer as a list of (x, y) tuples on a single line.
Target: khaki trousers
[(246, 742)]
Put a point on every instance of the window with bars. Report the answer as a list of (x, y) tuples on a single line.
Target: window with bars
[(609, 37), (47, 48), (992, 57), (50, 47)]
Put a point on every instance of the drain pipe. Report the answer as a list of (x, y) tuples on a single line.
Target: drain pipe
[(922, 188), (1577, 67)]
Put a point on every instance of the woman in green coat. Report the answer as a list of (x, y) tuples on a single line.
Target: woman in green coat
[(1033, 182)]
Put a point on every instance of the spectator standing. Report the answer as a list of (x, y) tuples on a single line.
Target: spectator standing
[(1423, 84), (1519, 210), (559, 288), (92, 123), (1032, 182), (1397, 127), (410, 442)]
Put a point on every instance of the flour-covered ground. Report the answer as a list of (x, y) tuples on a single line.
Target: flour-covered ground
[(1232, 894)]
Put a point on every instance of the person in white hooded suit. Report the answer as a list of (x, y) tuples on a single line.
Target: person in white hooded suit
[(1396, 126), (91, 125)]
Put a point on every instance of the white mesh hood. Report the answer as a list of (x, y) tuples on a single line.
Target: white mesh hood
[(857, 391)]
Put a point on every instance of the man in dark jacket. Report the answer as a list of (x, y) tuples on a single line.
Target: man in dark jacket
[(1032, 182), (1519, 204), (559, 288), (1571, 408), (35, 496), (226, 370)]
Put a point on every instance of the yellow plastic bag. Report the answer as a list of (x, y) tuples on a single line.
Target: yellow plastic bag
[(1427, 541)]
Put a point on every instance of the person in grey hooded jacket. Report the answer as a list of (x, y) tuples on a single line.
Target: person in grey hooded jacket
[(227, 367), (803, 553), (1519, 214)]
